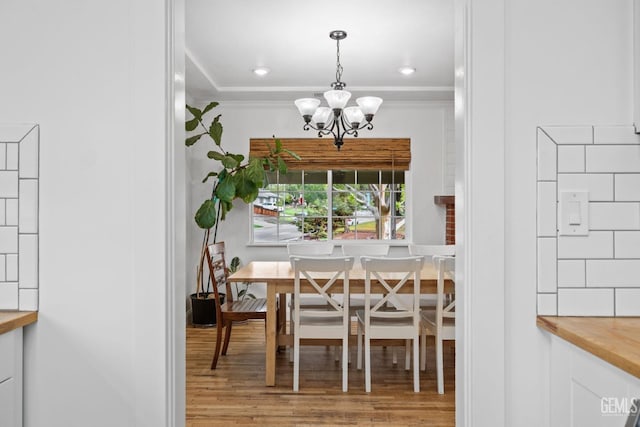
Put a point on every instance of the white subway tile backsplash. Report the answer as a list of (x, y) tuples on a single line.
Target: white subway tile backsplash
[(627, 244), (571, 158), (12, 156), (615, 135), (8, 240), (28, 205), (571, 273), (11, 211), (14, 132), (19, 174), (597, 274), (627, 302), (627, 187), (8, 296), (28, 299), (585, 302), (547, 281), (598, 244), (613, 158), (547, 209), (29, 155), (547, 304), (547, 155), (12, 267), (8, 184), (599, 186), (28, 261), (614, 216), (613, 273), (570, 134)]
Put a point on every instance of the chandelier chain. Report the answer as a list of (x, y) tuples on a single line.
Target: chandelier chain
[(338, 65)]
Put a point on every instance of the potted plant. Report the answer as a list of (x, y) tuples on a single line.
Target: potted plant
[(234, 178)]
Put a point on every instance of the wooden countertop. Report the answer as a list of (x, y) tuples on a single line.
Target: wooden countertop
[(613, 339), (10, 320)]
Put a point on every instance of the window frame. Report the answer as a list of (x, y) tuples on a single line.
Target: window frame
[(392, 242)]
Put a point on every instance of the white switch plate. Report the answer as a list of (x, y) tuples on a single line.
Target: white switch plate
[(574, 213)]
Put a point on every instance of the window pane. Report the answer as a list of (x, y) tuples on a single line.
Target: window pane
[(315, 177), (295, 206), (368, 177), (315, 228), (291, 177), (344, 177), (391, 177)]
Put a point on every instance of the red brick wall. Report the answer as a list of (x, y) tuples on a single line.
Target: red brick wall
[(450, 231)]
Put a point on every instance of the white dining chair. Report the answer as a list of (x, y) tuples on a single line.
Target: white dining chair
[(440, 323), (356, 301), (307, 249), (330, 322), (429, 251), (377, 322)]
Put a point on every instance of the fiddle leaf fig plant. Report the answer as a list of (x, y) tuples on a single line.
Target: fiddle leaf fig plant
[(235, 177)]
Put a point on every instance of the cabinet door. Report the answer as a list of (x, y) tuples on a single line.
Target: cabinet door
[(8, 404), (7, 355), (587, 391)]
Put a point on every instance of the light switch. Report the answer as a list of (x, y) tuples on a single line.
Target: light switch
[(574, 213)]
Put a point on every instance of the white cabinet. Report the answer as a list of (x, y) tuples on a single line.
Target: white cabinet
[(636, 66), (11, 378), (586, 391)]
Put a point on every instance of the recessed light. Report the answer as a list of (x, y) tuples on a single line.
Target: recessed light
[(406, 70), (261, 71)]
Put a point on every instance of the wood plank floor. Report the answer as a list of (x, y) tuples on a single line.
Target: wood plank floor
[(235, 394)]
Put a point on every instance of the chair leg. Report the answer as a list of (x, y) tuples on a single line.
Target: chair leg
[(291, 332), (439, 370), (407, 355), (367, 363), (416, 370), (216, 352), (345, 362), (394, 355), (423, 351), (296, 362), (227, 337), (359, 354)]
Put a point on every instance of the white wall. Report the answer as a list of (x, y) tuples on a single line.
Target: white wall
[(567, 63), (92, 75), (428, 124)]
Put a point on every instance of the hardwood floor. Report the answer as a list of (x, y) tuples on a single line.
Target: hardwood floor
[(235, 394)]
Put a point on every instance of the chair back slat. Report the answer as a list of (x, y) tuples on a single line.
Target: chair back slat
[(313, 270), (429, 251), (218, 274), (377, 269)]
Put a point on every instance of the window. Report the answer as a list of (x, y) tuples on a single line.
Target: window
[(331, 205)]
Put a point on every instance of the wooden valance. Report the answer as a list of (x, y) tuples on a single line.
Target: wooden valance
[(356, 153)]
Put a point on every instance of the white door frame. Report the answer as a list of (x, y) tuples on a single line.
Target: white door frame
[(479, 117)]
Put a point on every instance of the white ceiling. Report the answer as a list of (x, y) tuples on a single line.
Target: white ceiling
[(227, 39)]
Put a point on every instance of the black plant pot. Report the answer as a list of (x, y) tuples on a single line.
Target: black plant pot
[(203, 309)]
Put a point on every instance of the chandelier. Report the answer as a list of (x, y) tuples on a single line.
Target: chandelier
[(336, 119)]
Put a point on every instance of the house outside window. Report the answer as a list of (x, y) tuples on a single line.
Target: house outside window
[(331, 205)]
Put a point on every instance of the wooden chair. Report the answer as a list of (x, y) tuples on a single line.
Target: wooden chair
[(377, 322), (332, 321), (429, 251), (231, 310), (440, 323)]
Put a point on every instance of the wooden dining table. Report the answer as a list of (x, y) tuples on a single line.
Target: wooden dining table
[(279, 278)]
